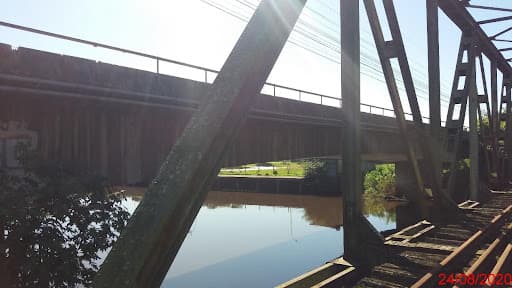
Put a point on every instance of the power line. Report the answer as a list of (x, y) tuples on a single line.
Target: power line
[(318, 41)]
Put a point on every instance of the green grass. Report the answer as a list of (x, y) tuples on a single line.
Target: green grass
[(281, 168)]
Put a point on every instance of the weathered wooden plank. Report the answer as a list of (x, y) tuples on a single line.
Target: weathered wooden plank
[(471, 242), (488, 251), (502, 261), (422, 245), (334, 277)]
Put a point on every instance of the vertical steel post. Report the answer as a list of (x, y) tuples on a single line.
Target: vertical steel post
[(373, 18), (473, 129), (350, 92), (359, 235), (494, 116), (428, 170), (505, 136), (149, 243), (434, 82), (507, 171)]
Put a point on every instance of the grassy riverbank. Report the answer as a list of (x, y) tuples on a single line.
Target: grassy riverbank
[(277, 168)]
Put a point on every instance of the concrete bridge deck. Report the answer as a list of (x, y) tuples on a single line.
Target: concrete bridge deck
[(121, 122)]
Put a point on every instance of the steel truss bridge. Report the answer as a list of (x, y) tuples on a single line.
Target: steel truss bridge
[(147, 247)]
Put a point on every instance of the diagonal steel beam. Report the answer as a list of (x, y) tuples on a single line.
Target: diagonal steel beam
[(463, 19), (430, 172), (419, 196), (488, 8), (149, 243), (502, 40), (395, 49), (464, 72), (494, 20), (485, 133), (483, 98), (493, 37)]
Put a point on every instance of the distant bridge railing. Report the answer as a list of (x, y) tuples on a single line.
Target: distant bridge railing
[(210, 74)]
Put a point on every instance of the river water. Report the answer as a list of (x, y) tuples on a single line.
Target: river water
[(247, 239)]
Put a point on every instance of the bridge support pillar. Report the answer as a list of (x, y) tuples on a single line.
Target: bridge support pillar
[(406, 185)]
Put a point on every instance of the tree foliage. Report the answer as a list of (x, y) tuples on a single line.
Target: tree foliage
[(485, 123), (314, 168), (55, 222), (381, 181), (373, 205)]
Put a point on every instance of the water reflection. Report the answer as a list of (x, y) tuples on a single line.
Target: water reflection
[(247, 239), (376, 206), (320, 211), (238, 239)]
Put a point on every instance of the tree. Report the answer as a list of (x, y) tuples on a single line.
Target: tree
[(381, 181), (485, 123), (55, 221), (314, 168)]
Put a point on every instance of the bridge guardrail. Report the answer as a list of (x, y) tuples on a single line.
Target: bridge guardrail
[(269, 88)]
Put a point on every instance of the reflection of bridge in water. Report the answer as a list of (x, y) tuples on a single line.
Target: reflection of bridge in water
[(326, 211), (320, 211)]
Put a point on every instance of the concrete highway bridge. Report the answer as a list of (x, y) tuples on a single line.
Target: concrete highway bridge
[(121, 122)]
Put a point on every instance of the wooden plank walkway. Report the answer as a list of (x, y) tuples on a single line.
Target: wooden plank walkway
[(478, 240)]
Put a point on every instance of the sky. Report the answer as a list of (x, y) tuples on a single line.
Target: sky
[(203, 32)]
